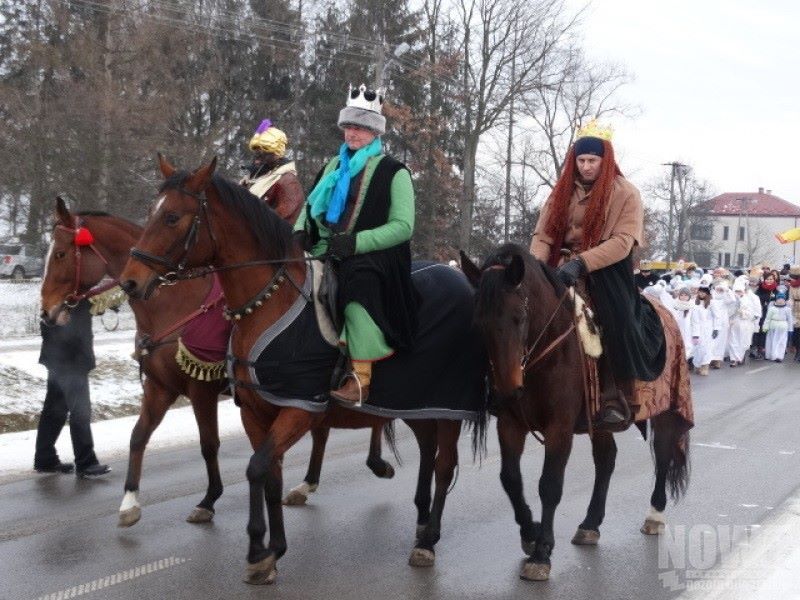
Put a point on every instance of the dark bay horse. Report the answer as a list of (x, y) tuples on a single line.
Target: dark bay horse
[(519, 307), (71, 272), (203, 222)]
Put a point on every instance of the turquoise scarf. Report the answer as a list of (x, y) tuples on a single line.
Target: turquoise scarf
[(330, 194)]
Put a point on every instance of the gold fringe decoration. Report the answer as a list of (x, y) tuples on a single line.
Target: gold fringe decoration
[(196, 368), (110, 299)]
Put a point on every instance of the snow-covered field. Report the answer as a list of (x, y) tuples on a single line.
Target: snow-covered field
[(114, 385)]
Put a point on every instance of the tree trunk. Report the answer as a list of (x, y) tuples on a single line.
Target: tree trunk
[(468, 196)]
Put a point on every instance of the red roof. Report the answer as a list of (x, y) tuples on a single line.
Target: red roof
[(751, 203)]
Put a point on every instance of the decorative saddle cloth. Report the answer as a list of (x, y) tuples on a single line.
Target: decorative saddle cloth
[(443, 376), (204, 339)]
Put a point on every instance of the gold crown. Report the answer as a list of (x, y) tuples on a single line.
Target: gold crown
[(593, 129)]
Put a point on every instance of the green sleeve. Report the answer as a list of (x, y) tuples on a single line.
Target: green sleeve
[(400, 225), (300, 223)]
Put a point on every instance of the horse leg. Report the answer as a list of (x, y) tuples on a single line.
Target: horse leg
[(604, 453), (375, 462), (512, 443), (670, 451), (444, 467), (155, 402), (425, 433), (204, 399), (265, 476), (558, 444), (298, 495)]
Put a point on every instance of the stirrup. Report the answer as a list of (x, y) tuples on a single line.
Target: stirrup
[(360, 390)]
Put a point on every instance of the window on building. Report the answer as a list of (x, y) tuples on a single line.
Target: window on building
[(727, 259), (725, 232), (740, 260), (703, 259), (701, 232), (719, 259), (741, 234)]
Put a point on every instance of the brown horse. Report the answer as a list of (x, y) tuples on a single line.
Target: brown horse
[(71, 272), (527, 319), (201, 220)]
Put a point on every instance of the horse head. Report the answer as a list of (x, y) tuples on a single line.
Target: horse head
[(501, 314), (178, 233), (73, 265)]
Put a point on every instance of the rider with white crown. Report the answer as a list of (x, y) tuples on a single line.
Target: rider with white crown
[(271, 176), (360, 214), (587, 229)]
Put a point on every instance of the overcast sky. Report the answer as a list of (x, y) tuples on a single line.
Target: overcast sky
[(717, 83)]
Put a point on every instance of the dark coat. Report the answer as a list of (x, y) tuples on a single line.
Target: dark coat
[(69, 347)]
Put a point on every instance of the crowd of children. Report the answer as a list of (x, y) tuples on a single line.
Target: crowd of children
[(732, 316)]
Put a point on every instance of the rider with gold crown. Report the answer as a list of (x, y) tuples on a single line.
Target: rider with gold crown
[(360, 214), (587, 229), (271, 176)]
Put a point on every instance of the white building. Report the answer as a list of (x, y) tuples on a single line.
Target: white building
[(741, 229)]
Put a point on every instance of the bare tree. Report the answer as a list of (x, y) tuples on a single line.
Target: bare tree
[(496, 35)]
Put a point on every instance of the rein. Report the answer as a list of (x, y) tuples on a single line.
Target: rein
[(72, 299), (526, 362)]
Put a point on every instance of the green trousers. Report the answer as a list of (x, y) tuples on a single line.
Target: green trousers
[(364, 339)]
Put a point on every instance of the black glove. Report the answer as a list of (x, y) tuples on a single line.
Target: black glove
[(714, 334), (342, 245), (303, 240), (570, 271)]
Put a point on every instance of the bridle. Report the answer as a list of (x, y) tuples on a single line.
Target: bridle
[(528, 359), (73, 298), (176, 270)]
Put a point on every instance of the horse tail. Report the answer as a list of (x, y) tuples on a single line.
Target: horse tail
[(390, 435), (679, 469), (478, 428)]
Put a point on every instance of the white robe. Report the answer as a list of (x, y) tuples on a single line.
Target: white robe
[(702, 325), (723, 305), (683, 318), (777, 324), (743, 324)]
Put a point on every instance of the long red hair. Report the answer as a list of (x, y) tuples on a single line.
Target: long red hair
[(558, 221)]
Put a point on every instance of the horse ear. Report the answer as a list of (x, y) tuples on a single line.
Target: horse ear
[(167, 170), (63, 215), (515, 271), (202, 177), (470, 269)]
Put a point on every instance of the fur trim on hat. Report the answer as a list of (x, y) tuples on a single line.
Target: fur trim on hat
[(352, 115)]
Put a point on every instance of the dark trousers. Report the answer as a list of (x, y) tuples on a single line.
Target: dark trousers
[(67, 396)]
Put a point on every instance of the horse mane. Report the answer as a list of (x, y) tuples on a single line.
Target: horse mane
[(93, 213), (493, 284), (273, 234)]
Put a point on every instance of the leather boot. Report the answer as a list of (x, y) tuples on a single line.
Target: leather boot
[(356, 385), (615, 414)]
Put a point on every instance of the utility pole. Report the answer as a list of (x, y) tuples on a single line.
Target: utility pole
[(507, 219), (674, 171)]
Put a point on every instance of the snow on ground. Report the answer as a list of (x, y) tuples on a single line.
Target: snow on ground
[(111, 438), (114, 385)]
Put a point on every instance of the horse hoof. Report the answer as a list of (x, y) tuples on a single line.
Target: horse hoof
[(420, 557), (129, 516), (200, 515), (535, 572), (528, 547), (263, 572), (586, 537), (388, 473), (652, 527), (295, 498)]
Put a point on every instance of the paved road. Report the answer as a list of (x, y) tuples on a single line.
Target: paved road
[(352, 541)]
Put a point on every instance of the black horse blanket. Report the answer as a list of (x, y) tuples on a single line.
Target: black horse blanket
[(442, 377)]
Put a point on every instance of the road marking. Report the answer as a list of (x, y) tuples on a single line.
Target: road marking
[(759, 369), (715, 445), (104, 582)]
